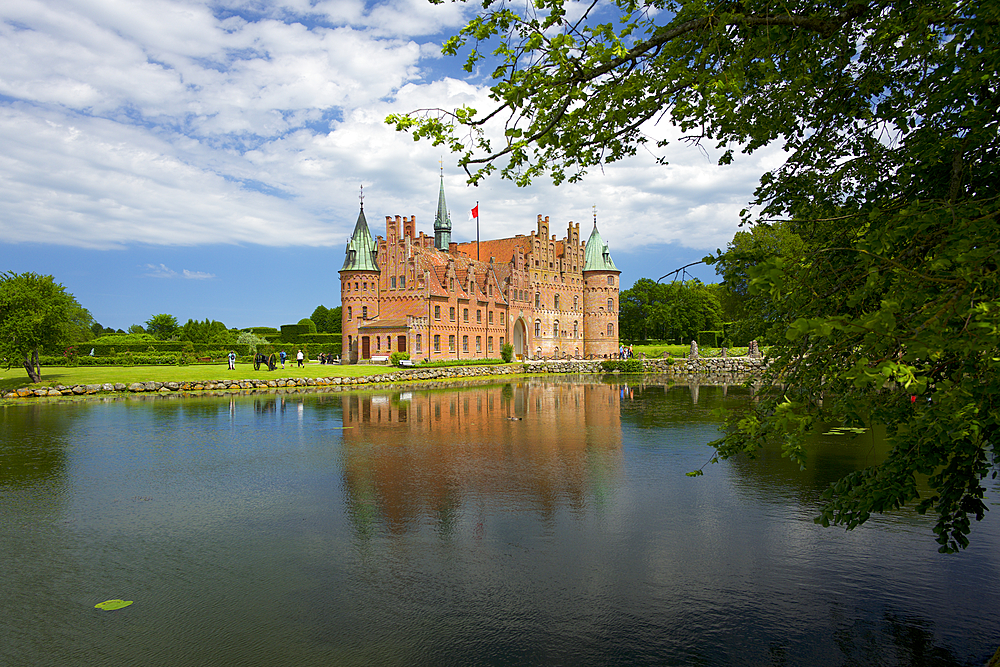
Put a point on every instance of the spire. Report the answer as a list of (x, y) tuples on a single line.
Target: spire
[(361, 251), (442, 222), (596, 255)]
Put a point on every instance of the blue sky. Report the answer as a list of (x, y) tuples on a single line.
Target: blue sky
[(204, 159)]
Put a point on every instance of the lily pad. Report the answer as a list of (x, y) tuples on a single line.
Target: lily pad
[(111, 605), (844, 430)]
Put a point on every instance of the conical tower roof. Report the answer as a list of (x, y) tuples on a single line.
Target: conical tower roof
[(442, 221), (597, 257), (361, 251)]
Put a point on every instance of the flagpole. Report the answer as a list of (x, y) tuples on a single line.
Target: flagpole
[(477, 232)]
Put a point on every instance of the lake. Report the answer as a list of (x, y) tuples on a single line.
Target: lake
[(537, 522)]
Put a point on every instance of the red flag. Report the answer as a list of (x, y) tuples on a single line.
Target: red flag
[(475, 211)]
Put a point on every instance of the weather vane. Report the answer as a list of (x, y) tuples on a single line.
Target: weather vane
[(595, 215), (362, 196)]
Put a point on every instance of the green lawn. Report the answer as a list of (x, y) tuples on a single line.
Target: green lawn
[(657, 351), (15, 376)]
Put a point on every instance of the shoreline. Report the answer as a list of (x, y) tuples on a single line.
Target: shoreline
[(713, 370)]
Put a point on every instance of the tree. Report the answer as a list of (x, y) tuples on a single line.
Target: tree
[(36, 312), (327, 320), (754, 316), (206, 332), (670, 311), (888, 113), (163, 326)]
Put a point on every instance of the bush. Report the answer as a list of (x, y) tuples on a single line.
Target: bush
[(308, 324), (507, 353), (396, 357), (622, 365)]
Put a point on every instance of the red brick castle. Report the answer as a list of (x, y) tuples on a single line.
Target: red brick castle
[(409, 292)]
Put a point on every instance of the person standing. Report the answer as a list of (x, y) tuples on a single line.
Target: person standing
[(299, 357), (232, 360), (283, 356)]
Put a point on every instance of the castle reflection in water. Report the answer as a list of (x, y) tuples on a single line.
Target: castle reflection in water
[(426, 457)]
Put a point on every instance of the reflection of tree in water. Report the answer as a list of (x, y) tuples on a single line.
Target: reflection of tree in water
[(891, 640), (33, 445)]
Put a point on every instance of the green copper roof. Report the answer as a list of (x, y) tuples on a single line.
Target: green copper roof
[(442, 222), (361, 250), (596, 256)]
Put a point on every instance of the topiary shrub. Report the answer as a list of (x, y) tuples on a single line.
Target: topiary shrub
[(396, 357), (507, 353)]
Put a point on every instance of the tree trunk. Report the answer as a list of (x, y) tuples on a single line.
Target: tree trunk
[(32, 366)]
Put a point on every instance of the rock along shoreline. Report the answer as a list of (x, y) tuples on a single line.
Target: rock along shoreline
[(714, 370)]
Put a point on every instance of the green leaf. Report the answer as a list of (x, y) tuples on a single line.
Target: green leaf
[(111, 605)]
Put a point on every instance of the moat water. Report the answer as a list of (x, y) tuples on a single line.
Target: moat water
[(533, 523)]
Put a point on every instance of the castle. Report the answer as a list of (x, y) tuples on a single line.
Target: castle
[(436, 299)]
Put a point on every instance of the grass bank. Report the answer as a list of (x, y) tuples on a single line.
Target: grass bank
[(15, 377)]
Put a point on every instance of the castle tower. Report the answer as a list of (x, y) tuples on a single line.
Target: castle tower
[(359, 290), (600, 297), (442, 222)]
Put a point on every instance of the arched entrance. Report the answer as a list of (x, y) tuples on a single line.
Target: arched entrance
[(519, 339)]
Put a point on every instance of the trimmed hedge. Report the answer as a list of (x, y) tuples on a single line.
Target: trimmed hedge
[(632, 365), (327, 339), (157, 347), (290, 333)]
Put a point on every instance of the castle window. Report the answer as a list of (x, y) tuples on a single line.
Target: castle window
[(501, 341), (555, 302), (355, 287), (491, 289), (437, 343), (451, 343), (479, 316), (489, 344), (437, 312), (611, 280), (465, 314), (451, 313), (402, 282), (451, 284), (364, 312), (501, 317), (366, 287), (465, 343), (611, 329), (538, 300), (538, 327), (576, 302), (392, 282), (418, 342), (611, 305), (378, 342), (479, 344), (489, 316), (555, 329), (576, 329), (350, 316)]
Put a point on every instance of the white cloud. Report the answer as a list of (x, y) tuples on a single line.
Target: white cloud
[(159, 271), (197, 275), (179, 123)]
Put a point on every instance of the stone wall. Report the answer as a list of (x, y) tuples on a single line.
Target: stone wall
[(734, 370)]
